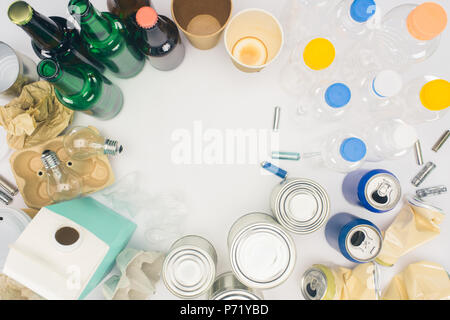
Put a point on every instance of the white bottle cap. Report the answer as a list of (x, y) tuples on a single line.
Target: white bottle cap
[(387, 83), (405, 136)]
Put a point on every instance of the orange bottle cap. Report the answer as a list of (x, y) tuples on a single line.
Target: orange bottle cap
[(146, 17), (427, 21)]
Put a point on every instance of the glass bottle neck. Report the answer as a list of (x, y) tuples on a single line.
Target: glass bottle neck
[(156, 35), (92, 22), (44, 31), (68, 81)]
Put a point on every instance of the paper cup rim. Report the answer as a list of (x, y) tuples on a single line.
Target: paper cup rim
[(279, 26), (204, 36)]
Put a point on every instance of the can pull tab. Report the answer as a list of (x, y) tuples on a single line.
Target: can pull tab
[(381, 194), (363, 242)]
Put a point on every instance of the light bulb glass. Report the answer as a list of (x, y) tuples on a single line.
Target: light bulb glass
[(83, 143)]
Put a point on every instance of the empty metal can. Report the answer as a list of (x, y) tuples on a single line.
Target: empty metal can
[(376, 190), (302, 206), (228, 287), (262, 253), (16, 70), (358, 240), (319, 283), (189, 269)]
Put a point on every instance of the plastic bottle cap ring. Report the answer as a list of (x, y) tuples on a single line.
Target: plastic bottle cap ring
[(362, 10), (319, 54), (353, 149), (146, 17), (435, 95), (338, 95), (427, 21)]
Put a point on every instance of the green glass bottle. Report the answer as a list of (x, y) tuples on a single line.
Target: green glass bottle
[(83, 88), (107, 39), (52, 37)]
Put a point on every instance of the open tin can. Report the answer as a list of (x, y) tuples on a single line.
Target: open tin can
[(189, 269), (16, 70), (302, 206), (228, 287), (262, 253)]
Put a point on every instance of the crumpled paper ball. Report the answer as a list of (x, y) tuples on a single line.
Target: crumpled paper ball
[(35, 116)]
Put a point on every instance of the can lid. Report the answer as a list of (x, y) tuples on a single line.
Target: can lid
[(353, 149), (338, 95), (435, 95), (314, 284), (188, 271), (362, 10), (319, 54), (146, 17), (427, 21), (387, 83), (9, 66), (12, 224), (262, 256), (379, 190), (363, 242)]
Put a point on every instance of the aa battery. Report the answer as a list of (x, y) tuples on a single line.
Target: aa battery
[(423, 174), (5, 198), (441, 141), (376, 190), (358, 240), (8, 187)]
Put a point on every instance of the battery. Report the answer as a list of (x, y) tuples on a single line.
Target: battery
[(358, 240), (318, 283), (228, 287), (189, 269), (377, 190), (302, 206), (262, 253)]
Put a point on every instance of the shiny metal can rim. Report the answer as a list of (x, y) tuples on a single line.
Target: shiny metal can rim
[(303, 283), (379, 248), (228, 287), (397, 185)]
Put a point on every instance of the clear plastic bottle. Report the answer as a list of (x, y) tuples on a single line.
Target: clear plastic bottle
[(312, 60), (329, 100), (426, 98), (299, 17), (389, 139), (410, 33), (342, 151), (349, 18), (379, 92)]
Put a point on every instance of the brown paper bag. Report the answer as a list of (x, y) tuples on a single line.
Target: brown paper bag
[(416, 224), (359, 283), (34, 117), (420, 281)]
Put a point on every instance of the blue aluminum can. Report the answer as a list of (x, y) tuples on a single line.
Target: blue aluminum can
[(376, 190), (358, 240)]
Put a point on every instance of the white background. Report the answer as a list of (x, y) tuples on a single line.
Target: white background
[(208, 88)]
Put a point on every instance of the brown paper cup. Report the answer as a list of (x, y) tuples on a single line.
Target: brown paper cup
[(259, 24), (202, 21)]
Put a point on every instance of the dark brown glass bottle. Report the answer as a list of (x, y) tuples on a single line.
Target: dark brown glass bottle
[(126, 8), (159, 39)]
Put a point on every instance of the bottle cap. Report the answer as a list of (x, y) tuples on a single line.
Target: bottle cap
[(405, 136), (146, 17), (427, 21), (362, 10), (319, 54), (353, 149), (338, 95), (435, 95), (20, 13), (387, 83)]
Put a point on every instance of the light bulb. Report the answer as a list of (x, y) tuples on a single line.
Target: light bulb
[(63, 184), (82, 143)]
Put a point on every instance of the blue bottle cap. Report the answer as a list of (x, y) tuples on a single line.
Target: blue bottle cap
[(353, 149), (338, 95), (362, 10)]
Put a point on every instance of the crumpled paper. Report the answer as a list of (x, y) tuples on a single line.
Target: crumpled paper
[(423, 280), (361, 283), (415, 224), (35, 116), (12, 290)]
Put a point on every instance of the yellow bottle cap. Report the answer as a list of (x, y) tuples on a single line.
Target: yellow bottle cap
[(319, 54), (435, 95)]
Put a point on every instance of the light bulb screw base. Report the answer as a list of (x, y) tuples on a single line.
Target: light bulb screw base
[(50, 159), (112, 147)]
